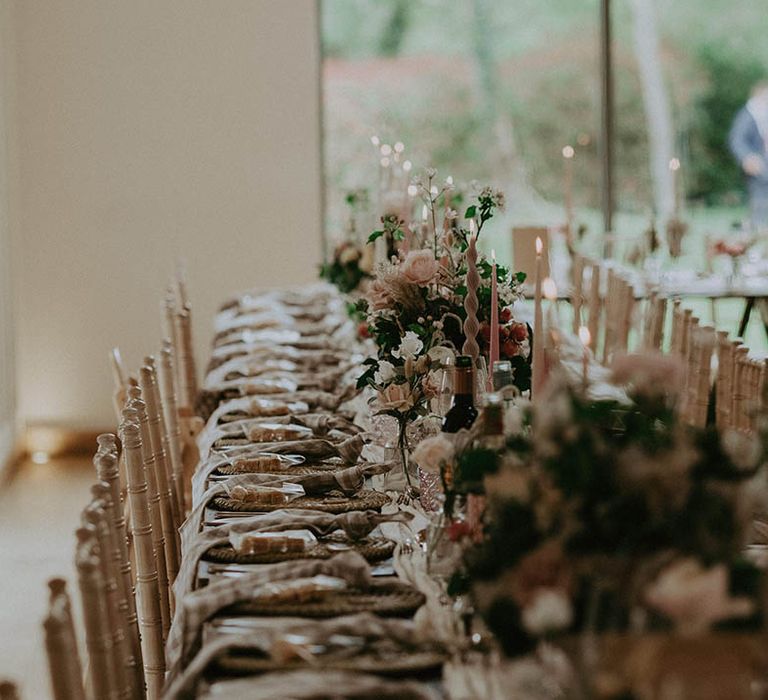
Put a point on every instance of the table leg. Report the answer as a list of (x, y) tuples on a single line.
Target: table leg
[(762, 307), (745, 316)]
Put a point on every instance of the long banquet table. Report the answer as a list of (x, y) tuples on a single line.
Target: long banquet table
[(296, 355)]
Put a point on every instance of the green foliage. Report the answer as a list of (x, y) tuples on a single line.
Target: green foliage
[(345, 275), (714, 175), (624, 487), (472, 467)]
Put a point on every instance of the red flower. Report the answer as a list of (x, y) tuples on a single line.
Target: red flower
[(485, 332), (519, 331), (458, 529), (509, 348), (362, 330), (506, 315)]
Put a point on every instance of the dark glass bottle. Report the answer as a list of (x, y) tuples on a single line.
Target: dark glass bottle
[(493, 423), (462, 413)]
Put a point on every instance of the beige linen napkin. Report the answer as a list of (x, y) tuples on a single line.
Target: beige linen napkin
[(194, 608), (356, 524), (320, 685), (370, 627)]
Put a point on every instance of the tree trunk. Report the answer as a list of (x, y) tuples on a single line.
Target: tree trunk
[(656, 104)]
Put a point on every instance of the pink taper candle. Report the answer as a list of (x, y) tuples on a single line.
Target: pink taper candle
[(586, 338), (538, 325), (471, 324), (494, 356)]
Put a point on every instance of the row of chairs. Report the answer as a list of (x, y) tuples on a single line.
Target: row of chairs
[(722, 383), (128, 547), (603, 301)]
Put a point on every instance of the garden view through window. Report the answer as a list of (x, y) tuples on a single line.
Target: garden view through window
[(501, 92)]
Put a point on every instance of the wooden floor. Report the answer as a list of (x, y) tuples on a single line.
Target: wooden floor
[(39, 511)]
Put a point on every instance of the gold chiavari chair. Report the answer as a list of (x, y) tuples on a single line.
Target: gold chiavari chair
[(124, 626), (136, 412), (619, 307), (181, 475), (577, 290), (106, 463), (739, 396), (595, 301), (185, 357), (724, 382), (165, 483), (653, 322), (101, 679), (147, 591), (94, 517), (66, 672), (170, 447), (703, 343)]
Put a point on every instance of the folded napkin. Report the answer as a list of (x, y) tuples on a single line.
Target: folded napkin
[(324, 340), (249, 406), (320, 685), (349, 481), (208, 401), (194, 520), (316, 448), (269, 348), (245, 366), (194, 608), (348, 450), (320, 425), (264, 382), (367, 626), (232, 327), (356, 524), (256, 319)]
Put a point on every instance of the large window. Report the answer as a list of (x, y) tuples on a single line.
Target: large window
[(494, 90)]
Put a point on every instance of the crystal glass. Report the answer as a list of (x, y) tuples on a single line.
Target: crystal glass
[(431, 491), (502, 374), (443, 400)]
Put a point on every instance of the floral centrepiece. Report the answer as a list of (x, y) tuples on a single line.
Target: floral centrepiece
[(414, 305), (351, 263), (421, 292)]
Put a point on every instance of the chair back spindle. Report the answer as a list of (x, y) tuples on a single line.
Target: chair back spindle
[(66, 672), (148, 594)]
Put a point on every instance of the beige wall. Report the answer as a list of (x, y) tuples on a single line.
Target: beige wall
[(7, 362), (149, 129)]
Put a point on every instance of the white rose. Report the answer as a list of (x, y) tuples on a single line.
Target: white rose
[(349, 255), (433, 452), (410, 346), (385, 373), (549, 611), (695, 597)]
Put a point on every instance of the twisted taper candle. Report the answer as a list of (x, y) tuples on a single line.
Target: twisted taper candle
[(471, 325)]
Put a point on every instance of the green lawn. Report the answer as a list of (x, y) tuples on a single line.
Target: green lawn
[(725, 314)]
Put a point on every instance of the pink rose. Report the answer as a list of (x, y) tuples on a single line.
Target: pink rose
[(379, 295), (419, 267), (396, 397)]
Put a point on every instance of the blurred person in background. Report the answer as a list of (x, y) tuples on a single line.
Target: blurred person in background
[(748, 140)]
